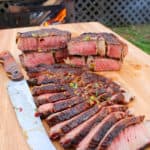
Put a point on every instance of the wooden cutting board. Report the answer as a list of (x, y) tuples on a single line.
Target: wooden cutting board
[(134, 75)]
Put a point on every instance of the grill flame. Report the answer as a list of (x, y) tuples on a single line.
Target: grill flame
[(58, 19)]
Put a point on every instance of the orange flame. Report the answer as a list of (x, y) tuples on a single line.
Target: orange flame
[(59, 18)]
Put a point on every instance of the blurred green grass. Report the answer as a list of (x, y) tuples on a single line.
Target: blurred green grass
[(138, 35)]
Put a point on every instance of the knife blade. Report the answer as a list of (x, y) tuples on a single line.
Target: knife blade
[(25, 109)]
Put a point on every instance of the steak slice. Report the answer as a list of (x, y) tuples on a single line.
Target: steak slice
[(66, 126), (96, 134), (133, 137), (10, 66), (103, 64), (116, 129), (52, 97), (54, 69), (90, 77), (122, 97), (49, 108), (42, 40), (77, 134), (60, 55), (47, 78), (87, 44), (67, 114), (115, 47), (34, 59), (48, 88), (75, 61)]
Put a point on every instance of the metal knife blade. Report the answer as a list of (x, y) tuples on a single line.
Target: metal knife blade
[(25, 109)]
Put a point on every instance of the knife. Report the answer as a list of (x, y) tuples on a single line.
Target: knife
[(24, 106), (25, 109)]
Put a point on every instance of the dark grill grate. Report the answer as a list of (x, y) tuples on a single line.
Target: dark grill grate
[(113, 12)]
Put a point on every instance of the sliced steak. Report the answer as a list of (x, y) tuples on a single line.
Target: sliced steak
[(66, 126), (52, 97), (115, 47), (77, 134), (90, 77), (60, 55), (48, 88), (96, 134), (75, 61), (81, 47), (87, 44), (67, 114), (134, 137), (49, 108), (43, 40), (122, 97), (54, 69), (116, 129), (10, 66), (47, 78), (103, 64), (34, 59)]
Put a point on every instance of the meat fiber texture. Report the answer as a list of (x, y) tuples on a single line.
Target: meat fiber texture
[(43, 40), (98, 51), (103, 44), (45, 46)]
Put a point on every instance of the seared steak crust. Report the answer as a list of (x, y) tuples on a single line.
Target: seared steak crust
[(98, 132), (49, 108), (48, 88), (67, 114), (76, 135), (43, 40), (117, 128), (52, 97), (66, 126)]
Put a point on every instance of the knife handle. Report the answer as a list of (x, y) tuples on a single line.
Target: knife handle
[(10, 66)]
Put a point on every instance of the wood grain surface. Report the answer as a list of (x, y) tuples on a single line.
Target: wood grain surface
[(134, 75)]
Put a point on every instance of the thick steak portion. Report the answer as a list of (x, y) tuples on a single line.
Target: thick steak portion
[(52, 97), (133, 137), (48, 88), (10, 66), (49, 108), (103, 44), (67, 114), (34, 59), (43, 40), (103, 64), (66, 126), (77, 134), (116, 129), (87, 44), (115, 47), (96, 134)]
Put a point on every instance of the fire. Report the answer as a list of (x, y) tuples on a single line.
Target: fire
[(59, 18)]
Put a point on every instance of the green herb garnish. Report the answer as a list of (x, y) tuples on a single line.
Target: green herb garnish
[(87, 38), (96, 94), (93, 100), (73, 85), (96, 85)]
